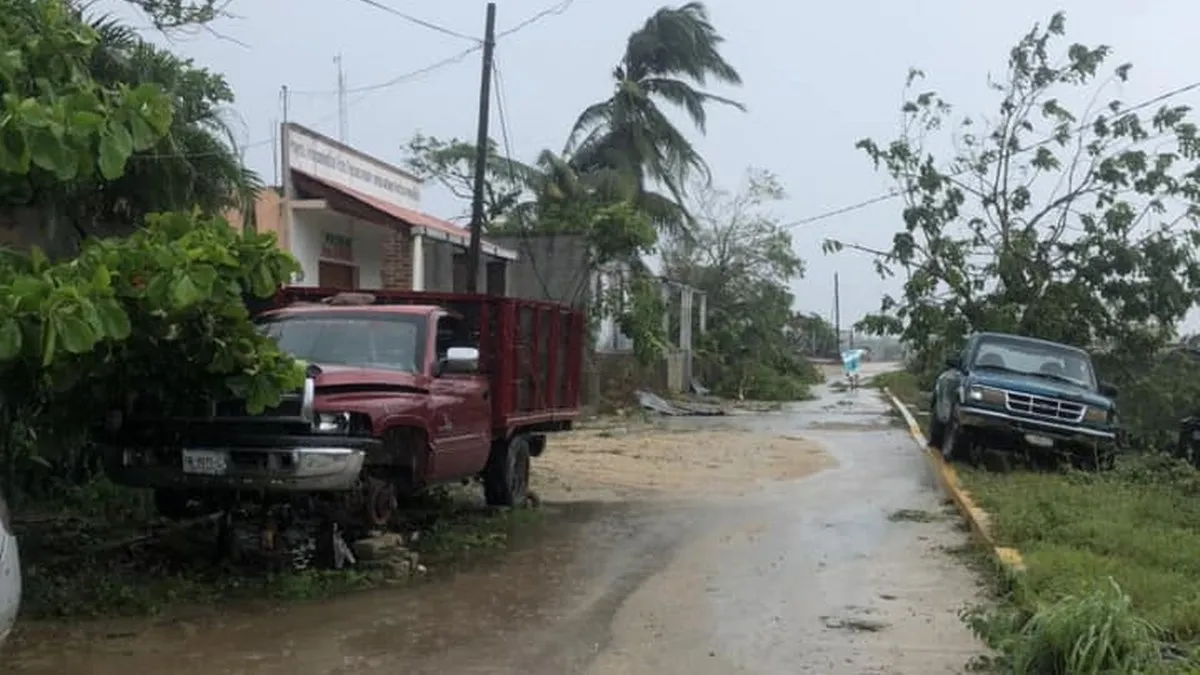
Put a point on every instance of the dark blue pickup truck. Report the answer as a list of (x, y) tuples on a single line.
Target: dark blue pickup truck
[(1008, 392)]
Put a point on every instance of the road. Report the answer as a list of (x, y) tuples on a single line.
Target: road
[(801, 565)]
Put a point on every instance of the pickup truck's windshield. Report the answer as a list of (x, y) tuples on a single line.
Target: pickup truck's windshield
[(1035, 358), (380, 341)]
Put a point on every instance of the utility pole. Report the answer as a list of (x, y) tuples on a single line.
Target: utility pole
[(481, 150), (341, 98), (837, 314)]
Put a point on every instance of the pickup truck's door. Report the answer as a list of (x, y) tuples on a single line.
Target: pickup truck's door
[(461, 416), (461, 426)]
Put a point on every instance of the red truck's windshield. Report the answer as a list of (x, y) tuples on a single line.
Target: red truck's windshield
[(359, 340)]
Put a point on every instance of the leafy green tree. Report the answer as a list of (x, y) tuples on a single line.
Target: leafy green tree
[(1072, 225), (627, 142), (161, 308), (452, 164), (168, 15), (742, 258), (60, 124), (195, 164), (812, 334)]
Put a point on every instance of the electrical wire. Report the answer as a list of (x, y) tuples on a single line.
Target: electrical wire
[(501, 114), (420, 22), (403, 78), (364, 91), (892, 194), (553, 10), (398, 79)]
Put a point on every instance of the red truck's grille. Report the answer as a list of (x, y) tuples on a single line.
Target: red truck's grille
[(1043, 407), (290, 406)]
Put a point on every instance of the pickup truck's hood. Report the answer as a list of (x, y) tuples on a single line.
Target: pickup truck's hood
[(341, 377), (1038, 385)]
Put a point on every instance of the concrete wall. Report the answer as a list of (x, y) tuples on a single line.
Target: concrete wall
[(548, 267)]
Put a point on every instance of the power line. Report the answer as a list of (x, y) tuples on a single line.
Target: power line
[(399, 79), (892, 194), (403, 78), (420, 22), (553, 10)]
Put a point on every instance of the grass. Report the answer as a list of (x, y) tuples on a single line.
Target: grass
[(903, 384), (72, 569), (1113, 566), (906, 387)]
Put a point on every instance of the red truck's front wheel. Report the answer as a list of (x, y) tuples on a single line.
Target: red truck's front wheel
[(506, 477)]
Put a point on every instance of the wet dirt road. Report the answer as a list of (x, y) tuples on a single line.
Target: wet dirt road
[(740, 574)]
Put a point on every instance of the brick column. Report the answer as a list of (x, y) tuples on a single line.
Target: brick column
[(396, 270)]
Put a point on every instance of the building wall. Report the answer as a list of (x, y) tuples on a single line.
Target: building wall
[(368, 248), (548, 267), (439, 265)]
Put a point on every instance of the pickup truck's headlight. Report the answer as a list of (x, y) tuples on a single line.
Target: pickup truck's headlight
[(985, 395), (331, 423), (1096, 415)]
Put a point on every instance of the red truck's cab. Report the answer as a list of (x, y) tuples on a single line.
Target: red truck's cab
[(404, 390)]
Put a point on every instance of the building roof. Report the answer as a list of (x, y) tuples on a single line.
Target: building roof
[(421, 223)]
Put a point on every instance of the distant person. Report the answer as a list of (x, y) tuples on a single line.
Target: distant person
[(851, 358)]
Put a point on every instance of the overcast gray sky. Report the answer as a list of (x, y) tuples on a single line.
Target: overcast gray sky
[(818, 77)]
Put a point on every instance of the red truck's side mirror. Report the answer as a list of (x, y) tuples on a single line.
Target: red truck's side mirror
[(459, 361)]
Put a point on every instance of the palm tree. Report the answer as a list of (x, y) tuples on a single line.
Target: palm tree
[(626, 142)]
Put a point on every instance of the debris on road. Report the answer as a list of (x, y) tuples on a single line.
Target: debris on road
[(658, 404)]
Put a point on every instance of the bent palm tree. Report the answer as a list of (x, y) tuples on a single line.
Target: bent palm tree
[(628, 138)]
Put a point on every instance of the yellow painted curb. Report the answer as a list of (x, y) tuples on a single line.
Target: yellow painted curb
[(977, 519)]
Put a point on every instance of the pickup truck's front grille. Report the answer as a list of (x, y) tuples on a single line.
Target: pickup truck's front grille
[(290, 406), (1043, 407)]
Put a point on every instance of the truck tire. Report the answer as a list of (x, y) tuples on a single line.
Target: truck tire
[(506, 477), (937, 428), (954, 446)]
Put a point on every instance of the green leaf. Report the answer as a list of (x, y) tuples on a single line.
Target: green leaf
[(77, 336), (184, 291), (86, 120), (102, 278), (263, 283), (144, 137), (10, 339), (51, 154), (113, 319), (115, 148)]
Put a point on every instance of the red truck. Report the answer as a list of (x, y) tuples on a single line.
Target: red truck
[(405, 390)]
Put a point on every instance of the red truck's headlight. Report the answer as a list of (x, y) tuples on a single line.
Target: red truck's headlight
[(341, 424)]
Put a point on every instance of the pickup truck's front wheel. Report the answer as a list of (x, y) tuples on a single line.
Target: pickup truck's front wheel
[(506, 477), (954, 443), (937, 428)]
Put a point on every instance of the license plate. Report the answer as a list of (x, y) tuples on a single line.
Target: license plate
[(1039, 441), (1196, 435), (204, 462)]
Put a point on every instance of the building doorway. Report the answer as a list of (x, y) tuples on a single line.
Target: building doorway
[(337, 276)]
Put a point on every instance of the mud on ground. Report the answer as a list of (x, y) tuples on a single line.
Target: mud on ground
[(652, 460)]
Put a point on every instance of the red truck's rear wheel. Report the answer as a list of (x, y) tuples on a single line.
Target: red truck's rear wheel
[(506, 477)]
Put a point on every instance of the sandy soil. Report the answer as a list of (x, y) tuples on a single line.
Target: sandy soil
[(650, 461)]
